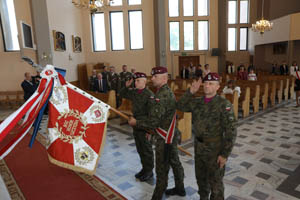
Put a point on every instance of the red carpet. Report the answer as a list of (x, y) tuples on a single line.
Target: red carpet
[(38, 179)]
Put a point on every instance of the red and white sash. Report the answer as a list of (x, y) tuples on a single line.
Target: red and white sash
[(168, 136)]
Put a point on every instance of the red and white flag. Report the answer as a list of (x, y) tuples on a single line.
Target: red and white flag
[(76, 127), (27, 113)]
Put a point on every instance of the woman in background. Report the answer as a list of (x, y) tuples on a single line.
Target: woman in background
[(231, 87), (252, 76)]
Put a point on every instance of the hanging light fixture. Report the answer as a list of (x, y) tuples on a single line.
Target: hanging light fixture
[(263, 24), (92, 5)]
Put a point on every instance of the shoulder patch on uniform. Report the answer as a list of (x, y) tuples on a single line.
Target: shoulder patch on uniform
[(157, 100), (151, 97), (228, 108)]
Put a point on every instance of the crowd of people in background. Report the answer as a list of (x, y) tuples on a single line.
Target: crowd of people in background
[(249, 74), (193, 72), (109, 79)]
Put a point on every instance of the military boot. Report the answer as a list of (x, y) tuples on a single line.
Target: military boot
[(146, 176), (175, 191), (139, 174)]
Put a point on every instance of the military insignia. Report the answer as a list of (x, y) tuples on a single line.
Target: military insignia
[(71, 126), (157, 100), (60, 95), (49, 72), (151, 97), (96, 113), (228, 108), (84, 155)]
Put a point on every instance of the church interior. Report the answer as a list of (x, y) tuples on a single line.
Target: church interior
[(229, 37)]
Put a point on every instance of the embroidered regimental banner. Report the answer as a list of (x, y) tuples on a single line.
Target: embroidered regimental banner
[(77, 128)]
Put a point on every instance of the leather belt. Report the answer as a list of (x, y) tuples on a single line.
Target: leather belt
[(208, 140)]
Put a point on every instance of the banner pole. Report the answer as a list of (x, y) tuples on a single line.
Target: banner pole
[(127, 118)]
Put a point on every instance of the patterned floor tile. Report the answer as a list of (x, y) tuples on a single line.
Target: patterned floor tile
[(263, 175), (264, 164), (259, 195)]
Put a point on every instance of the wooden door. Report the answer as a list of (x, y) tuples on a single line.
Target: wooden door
[(187, 61)]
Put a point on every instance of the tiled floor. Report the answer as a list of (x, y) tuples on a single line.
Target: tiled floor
[(264, 164)]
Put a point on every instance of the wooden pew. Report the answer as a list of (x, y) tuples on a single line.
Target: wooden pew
[(126, 108), (12, 99), (292, 91), (246, 102), (273, 93), (234, 99), (184, 124), (265, 96), (286, 89), (280, 91), (256, 99)]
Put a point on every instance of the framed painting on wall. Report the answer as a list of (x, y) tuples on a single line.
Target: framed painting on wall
[(76, 44), (27, 35), (59, 41)]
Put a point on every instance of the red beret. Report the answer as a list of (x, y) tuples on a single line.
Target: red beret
[(159, 70), (139, 75), (212, 77)]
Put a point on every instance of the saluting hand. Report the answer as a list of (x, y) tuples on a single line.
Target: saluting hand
[(128, 83), (195, 86), (221, 161)]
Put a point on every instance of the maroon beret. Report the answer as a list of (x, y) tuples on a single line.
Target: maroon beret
[(159, 70), (139, 75), (212, 77)]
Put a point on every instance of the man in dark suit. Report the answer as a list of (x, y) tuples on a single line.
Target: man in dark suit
[(284, 69), (184, 74), (100, 84), (28, 86)]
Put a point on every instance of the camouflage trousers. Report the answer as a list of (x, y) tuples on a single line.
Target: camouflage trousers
[(144, 149), (208, 173), (162, 168)]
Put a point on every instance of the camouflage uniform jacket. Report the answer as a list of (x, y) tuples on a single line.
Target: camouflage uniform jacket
[(114, 81), (125, 76), (105, 76), (140, 101), (212, 120), (91, 82), (162, 110)]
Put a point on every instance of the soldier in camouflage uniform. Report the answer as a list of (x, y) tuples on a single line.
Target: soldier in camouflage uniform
[(114, 83), (140, 98), (215, 134), (161, 113), (92, 79), (105, 74), (113, 79), (125, 75)]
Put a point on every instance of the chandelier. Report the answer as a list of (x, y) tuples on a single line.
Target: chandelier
[(92, 5), (263, 24)]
